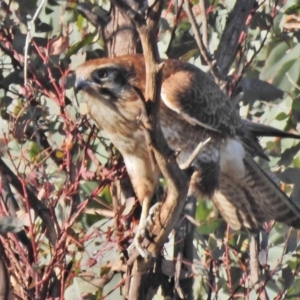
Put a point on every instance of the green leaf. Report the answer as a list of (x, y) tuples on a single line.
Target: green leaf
[(34, 151), (288, 155), (293, 9), (296, 105), (281, 116), (204, 208), (210, 227), (89, 39), (280, 55), (187, 56)]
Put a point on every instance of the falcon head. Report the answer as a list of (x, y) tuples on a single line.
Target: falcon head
[(109, 79)]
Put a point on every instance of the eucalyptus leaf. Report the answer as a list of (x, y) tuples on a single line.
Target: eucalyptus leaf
[(209, 227), (256, 89), (288, 155), (10, 224)]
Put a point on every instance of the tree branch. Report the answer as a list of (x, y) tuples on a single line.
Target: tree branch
[(229, 42)]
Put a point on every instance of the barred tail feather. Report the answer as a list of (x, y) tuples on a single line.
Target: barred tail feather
[(235, 205), (270, 198), (253, 199)]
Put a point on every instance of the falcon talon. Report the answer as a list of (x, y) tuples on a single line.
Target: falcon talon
[(138, 246), (150, 218), (143, 252), (154, 209)]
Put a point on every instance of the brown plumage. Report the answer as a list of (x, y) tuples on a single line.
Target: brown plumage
[(192, 109)]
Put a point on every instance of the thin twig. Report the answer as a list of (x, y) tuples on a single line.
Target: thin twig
[(178, 266), (203, 50), (194, 154), (173, 32), (204, 23), (28, 37)]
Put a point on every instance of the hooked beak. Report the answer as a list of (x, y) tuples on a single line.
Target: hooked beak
[(81, 84)]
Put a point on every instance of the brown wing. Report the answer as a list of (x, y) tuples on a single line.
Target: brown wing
[(197, 98)]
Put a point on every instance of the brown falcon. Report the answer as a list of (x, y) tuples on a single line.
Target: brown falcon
[(192, 108)]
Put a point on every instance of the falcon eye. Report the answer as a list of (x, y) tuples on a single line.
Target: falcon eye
[(102, 74)]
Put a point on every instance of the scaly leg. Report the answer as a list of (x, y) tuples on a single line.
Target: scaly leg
[(146, 220)]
